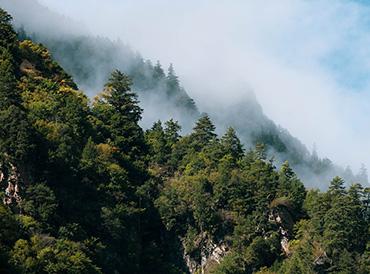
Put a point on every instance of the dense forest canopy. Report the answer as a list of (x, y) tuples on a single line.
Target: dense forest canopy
[(85, 189)]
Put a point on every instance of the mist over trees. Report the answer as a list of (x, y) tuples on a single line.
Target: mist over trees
[(87, 189), (89, 60)]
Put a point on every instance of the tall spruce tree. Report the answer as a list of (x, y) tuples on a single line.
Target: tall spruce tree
[(158, 73), (118, 109), (291, 187), (173, 84), (7, 34), (171, 131), (231, 144), (336, 187), (203, 132), (156, 139)]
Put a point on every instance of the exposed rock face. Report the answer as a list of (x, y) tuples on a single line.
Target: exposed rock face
[(210, 254), (27, 67), (281, 217), (12, 181)]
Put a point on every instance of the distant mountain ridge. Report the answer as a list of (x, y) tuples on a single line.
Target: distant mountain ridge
[(90, 60)]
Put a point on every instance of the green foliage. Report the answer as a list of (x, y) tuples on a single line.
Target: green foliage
[(171, 131), (343, 224), (336, 187), (48, 255), (231, 264), (203, 132), (14, 129), (9, 229), (156, 139), (39, 202), (8, 89), (7, 34), (14, 134), (116, 199), (117, 115), (231, 145), (291, 187)]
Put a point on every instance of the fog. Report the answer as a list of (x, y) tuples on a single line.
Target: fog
[(306, 61)]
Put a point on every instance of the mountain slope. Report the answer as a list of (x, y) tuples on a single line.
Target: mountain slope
[(90, 59), (86, 190)]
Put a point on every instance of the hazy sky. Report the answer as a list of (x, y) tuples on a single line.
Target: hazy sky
[(307, 61)]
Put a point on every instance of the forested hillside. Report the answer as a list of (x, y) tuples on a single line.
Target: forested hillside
[(85, 189), (89, 60)]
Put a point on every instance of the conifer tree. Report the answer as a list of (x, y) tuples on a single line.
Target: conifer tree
[(203, 132), (157, 142), (171, 131), (118, 94), (231, 144), (120, 113), (336, 187), (158, 72), (362, 176), (291, 187), (14, 127), (9, 93), (7, 34), (173, 84)]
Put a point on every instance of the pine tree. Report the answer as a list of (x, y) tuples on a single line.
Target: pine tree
[(173, 85), (362, 176), (156, 139), (366, 203), (356, 196), (291, 187), (7, 34), (203, 132), (336, 187), (171, 131), (158, 72), (118, 94), (118, 109), (344, 222), (14, 127), (9, 93), (89, 158), (231, 144)]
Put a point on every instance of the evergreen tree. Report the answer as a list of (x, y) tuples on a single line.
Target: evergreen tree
[(156, 139), (158, 73), (316, 205), (119, 112), (344, 222), (105, 197), (119, 95), (362, 176), (291, 187), (171, 132), (203, 132), (336, 187), (7, 34), (231, 144), (173, 84), (14, 127), (9, 92), (359, 222)]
